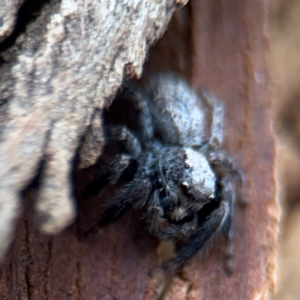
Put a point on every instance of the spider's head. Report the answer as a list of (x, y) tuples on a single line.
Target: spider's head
[(188, 179)]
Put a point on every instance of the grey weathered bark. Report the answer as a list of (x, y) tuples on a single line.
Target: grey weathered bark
[(56, 80), (8, 11), (68, 64)]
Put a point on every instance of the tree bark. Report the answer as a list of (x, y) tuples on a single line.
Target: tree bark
[(66, 67), (56, 80)]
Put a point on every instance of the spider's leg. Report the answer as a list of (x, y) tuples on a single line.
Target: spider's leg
[(110, 170), (139, 102), (108, 174), (227, 169), (134, 194), (144, 118), (228, 194), (117, 165), (212, 224), (138, 117), (229, 189), (125, 139)]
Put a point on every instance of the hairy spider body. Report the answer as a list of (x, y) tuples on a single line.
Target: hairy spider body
[(162, 137)]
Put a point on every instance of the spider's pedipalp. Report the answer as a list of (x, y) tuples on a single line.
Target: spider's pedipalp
[(212, 225)]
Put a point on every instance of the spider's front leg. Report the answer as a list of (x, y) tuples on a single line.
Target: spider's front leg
[(228, 195), (132, 195), (137, 117), (229, 189), (211, 224), (122, 150), (124, 140), (226, 169)]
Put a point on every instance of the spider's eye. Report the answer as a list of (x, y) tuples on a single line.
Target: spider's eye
[(186, 189), (185, 185), (186, 166)]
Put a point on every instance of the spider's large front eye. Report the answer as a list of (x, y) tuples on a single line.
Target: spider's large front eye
[(185, 185)]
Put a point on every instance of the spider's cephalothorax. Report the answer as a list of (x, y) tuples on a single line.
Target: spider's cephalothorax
[(163, 144)]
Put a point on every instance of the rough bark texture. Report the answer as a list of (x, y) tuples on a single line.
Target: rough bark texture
[(8, 11), (60, 79), (67, 65)]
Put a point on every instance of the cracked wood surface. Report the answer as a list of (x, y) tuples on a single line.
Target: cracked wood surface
[(219, 45)]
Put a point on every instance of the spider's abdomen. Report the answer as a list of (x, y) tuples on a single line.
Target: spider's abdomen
[(178, 116)]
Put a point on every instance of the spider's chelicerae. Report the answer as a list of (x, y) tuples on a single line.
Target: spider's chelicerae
[(163, 145)]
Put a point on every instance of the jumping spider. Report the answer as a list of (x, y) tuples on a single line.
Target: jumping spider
[(158, 140)]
